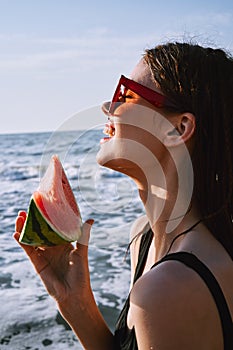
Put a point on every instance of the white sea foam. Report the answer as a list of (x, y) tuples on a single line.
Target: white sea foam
[(28, 315)]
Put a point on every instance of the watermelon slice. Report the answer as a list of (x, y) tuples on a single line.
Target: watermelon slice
[(53, 215)]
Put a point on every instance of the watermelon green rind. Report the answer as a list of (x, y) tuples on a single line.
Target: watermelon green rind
[(37, 231), (74, 234), (53, 215)]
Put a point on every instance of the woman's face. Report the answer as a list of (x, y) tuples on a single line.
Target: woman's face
[(135, 131)]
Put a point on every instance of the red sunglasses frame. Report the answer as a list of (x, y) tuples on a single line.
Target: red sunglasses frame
[(155, 98)]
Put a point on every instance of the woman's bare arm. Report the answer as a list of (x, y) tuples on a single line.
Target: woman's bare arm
[(65, 274)]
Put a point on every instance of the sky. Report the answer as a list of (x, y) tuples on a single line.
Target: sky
[(63, 58)]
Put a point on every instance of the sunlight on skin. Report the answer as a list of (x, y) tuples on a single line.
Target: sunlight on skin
[(143, 141)]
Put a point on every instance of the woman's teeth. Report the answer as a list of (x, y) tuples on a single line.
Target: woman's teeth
[(109, 130)]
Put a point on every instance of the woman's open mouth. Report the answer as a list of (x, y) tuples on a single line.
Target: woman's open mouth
[(109, 130)]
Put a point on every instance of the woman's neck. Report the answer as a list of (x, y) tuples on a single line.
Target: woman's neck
[(168, 216)]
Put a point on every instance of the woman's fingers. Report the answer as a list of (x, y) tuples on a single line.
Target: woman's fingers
[(27, 248), (85, 236), (36, 255), (20, 220), (23, 214)]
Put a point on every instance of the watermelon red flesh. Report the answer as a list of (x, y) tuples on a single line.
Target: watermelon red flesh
[(56, 202)]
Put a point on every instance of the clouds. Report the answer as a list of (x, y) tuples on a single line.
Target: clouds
[(57, 57), (213, 19), (98, 46), (85, 52)]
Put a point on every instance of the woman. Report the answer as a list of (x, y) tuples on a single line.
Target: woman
[(170, 130)]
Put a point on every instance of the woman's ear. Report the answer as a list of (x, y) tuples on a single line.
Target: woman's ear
[(182, 131)]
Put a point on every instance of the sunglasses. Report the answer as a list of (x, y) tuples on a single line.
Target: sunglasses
[(155, 98)]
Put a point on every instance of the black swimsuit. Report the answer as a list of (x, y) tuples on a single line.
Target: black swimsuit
[(125, 338)]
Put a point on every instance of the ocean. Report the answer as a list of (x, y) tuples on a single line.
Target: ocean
[(29, 318)]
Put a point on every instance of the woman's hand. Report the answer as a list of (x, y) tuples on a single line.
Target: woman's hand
[(65, 274), (63, 269)]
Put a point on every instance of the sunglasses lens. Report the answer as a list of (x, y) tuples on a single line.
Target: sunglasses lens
[(115, 98), (155, 98)]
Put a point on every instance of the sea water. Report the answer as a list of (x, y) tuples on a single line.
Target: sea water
[(29, 318)]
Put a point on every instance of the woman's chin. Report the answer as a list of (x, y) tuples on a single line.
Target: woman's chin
[(105, 153)]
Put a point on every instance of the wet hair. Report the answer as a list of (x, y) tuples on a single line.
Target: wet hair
[(200, 80)]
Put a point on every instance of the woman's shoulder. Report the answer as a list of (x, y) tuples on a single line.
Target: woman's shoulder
[(163, 281), (173, 297)]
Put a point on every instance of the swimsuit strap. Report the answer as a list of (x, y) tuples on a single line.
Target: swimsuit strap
[(194, 263), (124, 338), (144, 247)]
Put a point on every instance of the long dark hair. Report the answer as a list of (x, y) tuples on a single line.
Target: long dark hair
[(200, 80)]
